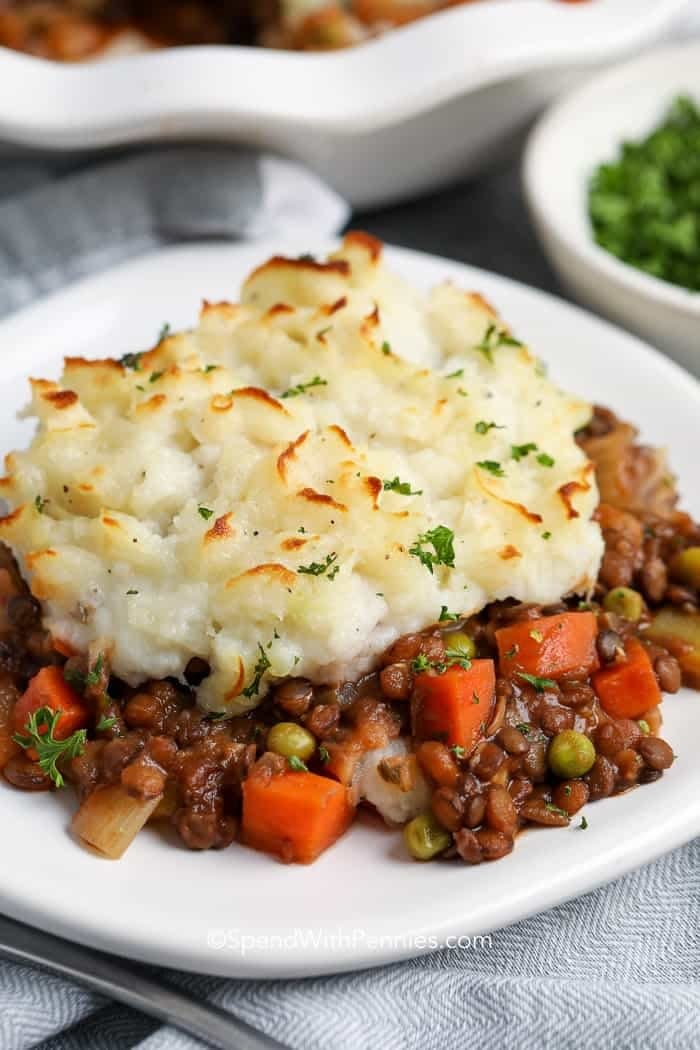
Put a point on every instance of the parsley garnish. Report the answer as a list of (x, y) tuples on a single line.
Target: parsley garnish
[(386, 348), (458, 751), (40, 736), (132, 591), (164, 332), (445, 615), (538, 684), (546, 535), (493, 338), (453, 657), (297, 765), (39, 504), (544, 460), (258, 671), (301, 388), (519, 452), (556, 809), (209, 368), (456, 375), (482, 427), (493, 467), (155, 376), (512, 651), (324, 754), (584, 824), (524, 728), (82, 680), (442, 540), (317, 568), (205, 512), (458, 656), (536, 636), (132, 361), (402, 487), (105, 723)]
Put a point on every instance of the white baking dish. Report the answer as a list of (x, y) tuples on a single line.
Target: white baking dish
[(398, 115)]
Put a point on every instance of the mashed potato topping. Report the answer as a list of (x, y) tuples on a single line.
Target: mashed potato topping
[(298, 481)]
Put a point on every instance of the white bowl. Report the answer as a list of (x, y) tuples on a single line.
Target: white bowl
[(396, 116), (566, 147)]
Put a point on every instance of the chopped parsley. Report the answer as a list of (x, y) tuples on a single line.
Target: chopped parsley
[(324, 754), (524, 727), (155, 376), (39, 504), (297, 765), (512, 651), (105, 723), (301, 388), (482, 427), (442, 541), (317, 568), (458, 751), (459, 657), (584, 824), (386, 348), (544, 460), (402, 487), (492, 466), (92, 677), (261, 666), (519, 452), (536, 636), (455, 375), (132, 591), (164, 332), (538, 684), (445, 615), (453, 658), (556, 809), (643, 205), (39, 735), (132, 361), (494, 337), (546, 535), (205, 512)]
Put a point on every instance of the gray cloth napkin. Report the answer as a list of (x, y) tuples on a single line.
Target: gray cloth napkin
[(64, 219)]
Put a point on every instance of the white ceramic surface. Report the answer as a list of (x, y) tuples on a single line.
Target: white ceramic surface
[(569, 143), (364, 902), (386, 120)]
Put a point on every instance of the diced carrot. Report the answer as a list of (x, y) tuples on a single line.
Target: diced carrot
[(48, 688), (295, 816), (550, 647), (627, 690), (454, 707)]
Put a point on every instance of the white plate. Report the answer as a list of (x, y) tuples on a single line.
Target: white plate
[(364, 902), (395, 116)]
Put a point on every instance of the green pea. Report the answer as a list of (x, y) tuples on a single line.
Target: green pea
[(686, 567), (623, 601), (425, 838), (460, 640), (291, 741), (570, 754)]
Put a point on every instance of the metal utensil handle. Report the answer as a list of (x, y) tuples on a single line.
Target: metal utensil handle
[(130, 984)]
